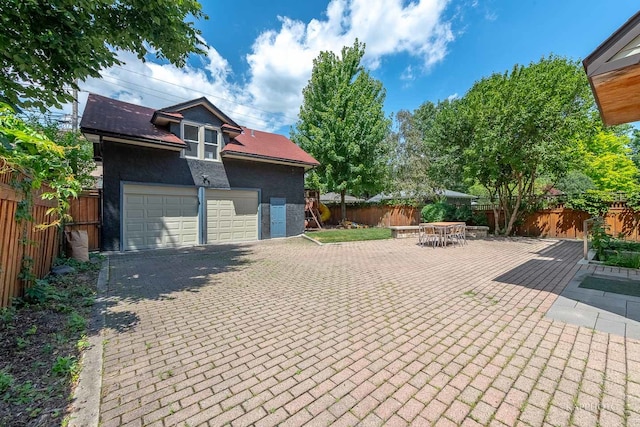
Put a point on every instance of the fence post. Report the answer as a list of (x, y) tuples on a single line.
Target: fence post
[(585, 238)]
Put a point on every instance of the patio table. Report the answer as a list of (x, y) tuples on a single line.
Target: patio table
[(442, 227)]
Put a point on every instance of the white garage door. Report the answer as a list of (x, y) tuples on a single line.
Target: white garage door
[(232, 216), (157, 216)]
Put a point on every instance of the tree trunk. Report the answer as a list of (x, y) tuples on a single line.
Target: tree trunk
[(343, 205), (512, 220), (496, 219), (516, 208)]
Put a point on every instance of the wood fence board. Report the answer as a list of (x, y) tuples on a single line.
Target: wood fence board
[(85, 211), (554, 223), (376, 215), (45, 246)]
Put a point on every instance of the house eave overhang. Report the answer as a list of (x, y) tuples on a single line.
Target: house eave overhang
[(133, 140), (615, 78), (161, 118), (266, 159)]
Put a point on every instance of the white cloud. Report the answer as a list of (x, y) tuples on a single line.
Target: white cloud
[(453, 96), (408, 74), (281, 60), (160, 85)]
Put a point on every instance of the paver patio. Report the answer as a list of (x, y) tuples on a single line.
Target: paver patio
[(369, 333)]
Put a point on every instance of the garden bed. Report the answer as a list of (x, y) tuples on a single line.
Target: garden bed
[(42, 338), (612, 251)]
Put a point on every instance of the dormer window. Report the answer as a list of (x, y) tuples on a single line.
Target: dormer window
[(203, 142)]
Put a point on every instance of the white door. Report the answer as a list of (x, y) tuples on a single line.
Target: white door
[(158, 216), (232, 215)]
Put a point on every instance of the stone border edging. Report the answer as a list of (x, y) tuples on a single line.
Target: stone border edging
[(85, 410), (313, 240)]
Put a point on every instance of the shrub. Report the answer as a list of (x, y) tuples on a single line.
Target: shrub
[(76, 322), (65, 366), (479, 218), (435, 212), (623, 260), (41, 292), (443, 211)]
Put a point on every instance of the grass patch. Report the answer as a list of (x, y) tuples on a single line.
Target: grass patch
[(624, 287), (350, 235)]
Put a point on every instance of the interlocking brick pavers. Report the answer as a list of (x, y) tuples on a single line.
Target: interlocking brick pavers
[(370, 333)]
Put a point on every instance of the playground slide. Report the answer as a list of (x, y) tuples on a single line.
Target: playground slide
[(325, 213)]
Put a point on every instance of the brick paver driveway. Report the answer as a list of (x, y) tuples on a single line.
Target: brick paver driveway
[(371, 333)]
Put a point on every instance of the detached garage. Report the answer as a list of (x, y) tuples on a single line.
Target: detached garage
[(188, 175)]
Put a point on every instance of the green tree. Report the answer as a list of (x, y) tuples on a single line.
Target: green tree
[(78, 151), (445, 131), (46, 45), (409, 163), (424, 158), (34, 159), (521, 126), (575, 182), (343, 125), (607, 160)]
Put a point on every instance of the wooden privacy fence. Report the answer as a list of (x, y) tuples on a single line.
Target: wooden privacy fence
[(558, 223), (568, 223), (43, 244), (377, 215), (85, 211), (41, 251)]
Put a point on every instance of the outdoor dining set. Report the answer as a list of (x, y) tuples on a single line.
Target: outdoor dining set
[(442, 233)]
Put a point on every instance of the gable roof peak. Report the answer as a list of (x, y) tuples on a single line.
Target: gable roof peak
[(203, 101)]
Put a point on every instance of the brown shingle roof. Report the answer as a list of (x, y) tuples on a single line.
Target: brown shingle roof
[(106, 116), (268, 146), (111, 117)]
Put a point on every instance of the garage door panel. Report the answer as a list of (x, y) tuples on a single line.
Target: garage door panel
[(134, 200), (136, 213), (159, 216), (232, 216)]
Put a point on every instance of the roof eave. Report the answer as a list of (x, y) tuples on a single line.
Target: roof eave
[(131, 137), (598, 61), (268, 159)]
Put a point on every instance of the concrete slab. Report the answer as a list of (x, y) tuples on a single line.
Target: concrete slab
[(633, 331), (615, 308), (573, 315), (633, 310), (611, 326), (563, 301)]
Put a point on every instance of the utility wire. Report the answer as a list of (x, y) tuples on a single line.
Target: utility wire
[(167, 97), (204, 93)]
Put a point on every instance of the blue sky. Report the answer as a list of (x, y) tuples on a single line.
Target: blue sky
[(260, 53)]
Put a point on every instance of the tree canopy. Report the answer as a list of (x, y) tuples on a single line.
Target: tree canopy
[(343, 125), (34, 159), (513, 128), (607, 160), (45, 46)]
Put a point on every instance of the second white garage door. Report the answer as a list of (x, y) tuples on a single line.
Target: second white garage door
[(232, 216)]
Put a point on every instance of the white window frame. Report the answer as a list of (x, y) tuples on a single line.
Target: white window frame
[(201, 142)]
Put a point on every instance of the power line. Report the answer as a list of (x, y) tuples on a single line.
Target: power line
[(205, 93), (172, 98)]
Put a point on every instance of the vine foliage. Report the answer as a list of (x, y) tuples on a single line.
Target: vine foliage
[(33, 159)]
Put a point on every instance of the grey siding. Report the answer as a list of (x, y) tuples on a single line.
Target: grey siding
[(123, 162), (274, 181)]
